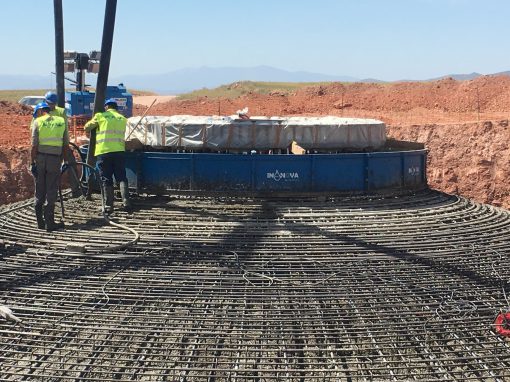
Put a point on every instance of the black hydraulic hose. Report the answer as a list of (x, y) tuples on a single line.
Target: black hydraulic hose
[(109, 221), (93, 169), (73, 166), (76, 148)]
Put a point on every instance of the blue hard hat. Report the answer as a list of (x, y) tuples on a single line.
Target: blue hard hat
[(111, 101), (51, 97), (39, 106)]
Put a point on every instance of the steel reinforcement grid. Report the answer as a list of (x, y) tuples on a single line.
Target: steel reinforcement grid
[(393, 288)]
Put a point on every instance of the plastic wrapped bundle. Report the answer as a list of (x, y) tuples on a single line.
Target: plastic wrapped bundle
[(218, 133)]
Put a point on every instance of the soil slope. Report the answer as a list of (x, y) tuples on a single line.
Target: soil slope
[(464, 125)]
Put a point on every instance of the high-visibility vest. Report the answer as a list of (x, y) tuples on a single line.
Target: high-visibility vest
[(57, 112), (110, 132), (51, 130)]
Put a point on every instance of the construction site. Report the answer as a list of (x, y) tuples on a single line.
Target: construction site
[(341, 232)]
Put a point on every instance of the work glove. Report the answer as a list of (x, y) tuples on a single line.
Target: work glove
[(33, 170), (64, 167)]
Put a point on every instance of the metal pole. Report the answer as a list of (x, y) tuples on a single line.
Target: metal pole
[(79, 73), (142, 117), (106, 50), (102, 77), (59, 52)]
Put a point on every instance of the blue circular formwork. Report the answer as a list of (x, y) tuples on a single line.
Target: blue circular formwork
[(344, 172)]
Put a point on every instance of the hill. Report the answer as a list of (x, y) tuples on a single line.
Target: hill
[(191, 79), (464, 125)]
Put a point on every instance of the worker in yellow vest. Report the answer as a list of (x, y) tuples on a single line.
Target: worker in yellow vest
[(50, 145), (109, 151), (57, 111)]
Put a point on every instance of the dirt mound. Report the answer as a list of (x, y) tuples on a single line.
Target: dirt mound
[(16, 183), (469, 159), (464, 125), (14, 130), (10, 108), (444, 101)]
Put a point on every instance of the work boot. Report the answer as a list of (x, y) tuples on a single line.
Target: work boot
[(49, 219), (108, 199), (124, 192), (39, 216)]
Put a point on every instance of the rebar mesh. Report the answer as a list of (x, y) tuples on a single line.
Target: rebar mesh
[(391, 288)]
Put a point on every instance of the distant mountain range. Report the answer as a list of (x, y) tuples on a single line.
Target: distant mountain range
[(188, 79), (185, 80)]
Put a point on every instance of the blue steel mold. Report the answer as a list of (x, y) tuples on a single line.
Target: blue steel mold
[(346, 172), (384, 170), (222, 172), (330, 169), (166, 171)]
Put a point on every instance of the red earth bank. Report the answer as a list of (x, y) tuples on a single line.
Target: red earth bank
[(464, 125)]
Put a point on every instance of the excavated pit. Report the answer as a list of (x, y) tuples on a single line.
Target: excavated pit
[(366, 288)]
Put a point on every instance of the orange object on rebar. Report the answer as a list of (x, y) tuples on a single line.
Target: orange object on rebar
[(502, 324)]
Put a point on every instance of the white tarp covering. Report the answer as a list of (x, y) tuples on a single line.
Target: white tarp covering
[(260, 133)]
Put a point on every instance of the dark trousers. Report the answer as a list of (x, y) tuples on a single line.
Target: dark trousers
[(110, 165), (48, 179)]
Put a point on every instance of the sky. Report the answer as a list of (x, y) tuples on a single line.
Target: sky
[(387, 40)]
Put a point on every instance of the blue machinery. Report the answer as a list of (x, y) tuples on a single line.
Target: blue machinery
[(81, 103), (346, 172)]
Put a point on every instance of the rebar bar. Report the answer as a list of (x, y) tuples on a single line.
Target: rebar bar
[(360, 288)]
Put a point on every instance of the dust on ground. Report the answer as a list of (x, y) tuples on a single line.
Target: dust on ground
[(464, 125)]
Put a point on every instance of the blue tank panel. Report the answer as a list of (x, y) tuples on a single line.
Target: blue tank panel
[(222, 172), (356, 172), (166, 171), (342, 172), (414, 169), (384, 170)]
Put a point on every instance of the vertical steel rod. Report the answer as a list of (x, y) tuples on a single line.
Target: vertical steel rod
[(59, 52), (102, 78)]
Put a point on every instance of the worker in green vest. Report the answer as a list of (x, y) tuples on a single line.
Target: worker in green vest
[(50, 145), (110, 128), (52, 99)]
